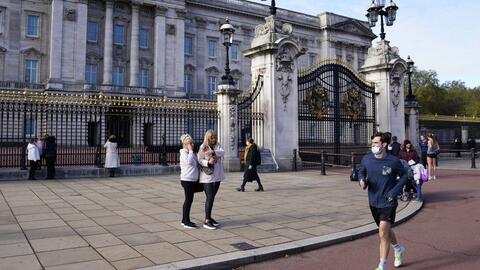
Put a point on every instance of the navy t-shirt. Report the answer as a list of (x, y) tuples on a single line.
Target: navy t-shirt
[(381, 174)]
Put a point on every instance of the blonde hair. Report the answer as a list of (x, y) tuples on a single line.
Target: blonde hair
[(208, 135), (185, 137)]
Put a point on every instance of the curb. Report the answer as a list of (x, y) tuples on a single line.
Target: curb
[(240, 258)]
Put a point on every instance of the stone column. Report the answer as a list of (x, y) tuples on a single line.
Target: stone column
[(159, 54), (108, 45), (412, 129), (134, 46), (56, 31), (80, 40), (274, 53), (179, 51), (228, 125), (464, 134), (386, 69)]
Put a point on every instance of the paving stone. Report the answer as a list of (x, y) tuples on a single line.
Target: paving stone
[(132, 263), (122, 229), (29, 262), (82, 223), (68, 256), (141, 239), (225, 244), (10, 228), (128, 213), (103, 240), (12, 238), (73, 217), (41, 224), (175, 236), (91, 265), (26, 210), (273, 241), (110, 220), (139, 220), (156, 227), (15, 249), (163, 253), (207, 235), (57, 243), (291, 234), (116, 253), (252, 233), (34, 217), (199, 248)]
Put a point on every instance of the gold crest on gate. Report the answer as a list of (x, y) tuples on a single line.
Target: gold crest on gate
[(353, 103), (318, 101)]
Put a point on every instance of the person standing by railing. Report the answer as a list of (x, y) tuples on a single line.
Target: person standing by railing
[(50, 156), (33, 157), (189, 175), (423, 150), (112, 161), (432, 153)]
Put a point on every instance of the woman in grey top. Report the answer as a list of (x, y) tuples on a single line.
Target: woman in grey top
[(432, 153)]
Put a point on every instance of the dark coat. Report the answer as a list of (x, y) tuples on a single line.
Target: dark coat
[(395, 148), (50, 148), (252, 159)]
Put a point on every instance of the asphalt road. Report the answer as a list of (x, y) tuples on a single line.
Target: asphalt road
[(445, 234)]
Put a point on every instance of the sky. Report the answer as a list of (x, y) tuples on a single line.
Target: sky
[(442, 35)]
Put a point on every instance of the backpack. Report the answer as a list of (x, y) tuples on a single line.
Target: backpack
[(258, 158)]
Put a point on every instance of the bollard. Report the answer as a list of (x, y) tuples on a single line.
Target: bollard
[(322, 164), (474, 166), (295, 159)]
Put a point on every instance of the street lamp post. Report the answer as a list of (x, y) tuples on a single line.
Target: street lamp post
[(410, 63), (378, 8), (273, 9), (227, 31)]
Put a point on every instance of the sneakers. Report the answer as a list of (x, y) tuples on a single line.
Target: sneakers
[(214, 222), (259, 189), (434, 177), (189, 225), (379, 268), (209, 225), (240, 189), (399, 257)]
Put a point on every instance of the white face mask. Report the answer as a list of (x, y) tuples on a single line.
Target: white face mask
[(376, 150), (389, 148)]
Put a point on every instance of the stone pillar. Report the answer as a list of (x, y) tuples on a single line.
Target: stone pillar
[(159, 53), (464, 134), (412, 129), (274, 53), (386, 69), (56, 31), (228, 125), (80, 41), (134, 46), (179, 51), (108, 45)]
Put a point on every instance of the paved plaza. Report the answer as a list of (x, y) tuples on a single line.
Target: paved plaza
[(134, 222)]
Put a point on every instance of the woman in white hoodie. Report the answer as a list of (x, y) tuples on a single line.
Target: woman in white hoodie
[(210, 158), (33, 157), (188, 177)]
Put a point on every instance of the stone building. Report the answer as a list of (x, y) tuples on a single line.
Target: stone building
[(152, 47)]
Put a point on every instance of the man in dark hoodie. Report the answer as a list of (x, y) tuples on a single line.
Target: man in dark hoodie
[(379, 171)]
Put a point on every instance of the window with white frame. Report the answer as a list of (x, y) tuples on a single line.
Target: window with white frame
[(188, 45), (235, 49), (312, 58), (212, 48), (212, 84), (118, 76), (30, 127), (92, 31), (143, 38), (143, 77), (91, 73), (119, 34), (33, 26), (31, 71), (188, 83)]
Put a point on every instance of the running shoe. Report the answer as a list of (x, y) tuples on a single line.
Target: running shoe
[(399, 257), (209, 225), (214, 222), (189, 225)]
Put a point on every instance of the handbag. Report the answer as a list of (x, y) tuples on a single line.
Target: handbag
[(354, 175), (198, 187), (207, 170)]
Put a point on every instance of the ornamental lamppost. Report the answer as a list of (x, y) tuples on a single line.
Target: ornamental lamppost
[(410, 63), (378, 8), (227, 31), (273, 9)]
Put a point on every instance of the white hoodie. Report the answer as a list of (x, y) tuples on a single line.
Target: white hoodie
[(33, 153), (188, 166)]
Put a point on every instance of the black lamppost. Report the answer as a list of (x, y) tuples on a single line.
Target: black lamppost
[(273, 9), (378, 8), (227, 31), (410, 63)]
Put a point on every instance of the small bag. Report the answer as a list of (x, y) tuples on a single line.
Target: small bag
[(424, 175), (198, 187), (207, 170)]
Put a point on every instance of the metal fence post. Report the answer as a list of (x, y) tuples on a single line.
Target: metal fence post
[(352, 160), (295, 159), (474, 165), (163, 160), (322, 164)]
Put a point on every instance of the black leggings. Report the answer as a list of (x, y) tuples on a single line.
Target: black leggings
[(189, 189), (210, 191), (33, 167), (50, 167)]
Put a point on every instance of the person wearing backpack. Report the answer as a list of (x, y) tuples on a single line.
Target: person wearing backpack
[(252, 160)]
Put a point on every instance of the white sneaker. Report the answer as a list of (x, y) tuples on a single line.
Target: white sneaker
[(399, 257), (434, 177)]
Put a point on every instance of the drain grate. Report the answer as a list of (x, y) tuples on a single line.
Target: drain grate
[(243, 246)]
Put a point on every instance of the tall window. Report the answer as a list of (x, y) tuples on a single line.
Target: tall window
[(30, 127), (188, 83), (235, 49), (91, 73), (212, 84), (118, 76), (32, 26), (92, 31), (143, 77), (31, 71), (212, 48), (143, 39), (119, 34), (188, 46), (312, 58)]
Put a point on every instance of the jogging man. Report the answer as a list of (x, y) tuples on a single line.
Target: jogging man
[(379, 171)]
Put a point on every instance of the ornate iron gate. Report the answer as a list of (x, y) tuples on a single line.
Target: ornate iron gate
[(336, 112)]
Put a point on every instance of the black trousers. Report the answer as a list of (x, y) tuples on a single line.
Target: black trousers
[(189, 190), (211, 190), (33, 167), (50, 167), (245, 182), (111, 172)]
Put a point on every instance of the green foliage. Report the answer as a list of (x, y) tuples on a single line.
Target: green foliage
[(448, 98)]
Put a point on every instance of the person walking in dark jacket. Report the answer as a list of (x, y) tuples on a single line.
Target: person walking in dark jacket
[(394, 147), (252, 160), (50, 156)]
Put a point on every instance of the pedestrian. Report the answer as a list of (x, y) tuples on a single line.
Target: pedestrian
[(112, 161), (379, 171), (50, 156), (408, 152), (457, 142), (40, 146), (252, 160), (188, 178), (394, 147), (423, 150), (471, 143), (33, 158), (210, 158), (432, 153)]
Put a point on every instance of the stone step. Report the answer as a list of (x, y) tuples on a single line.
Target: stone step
[(268, 162)]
